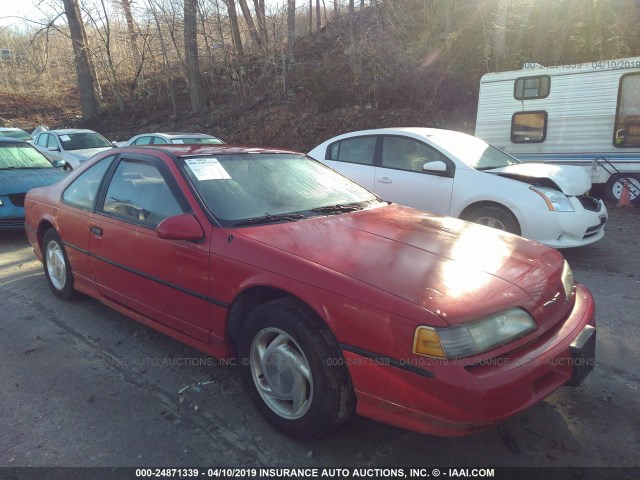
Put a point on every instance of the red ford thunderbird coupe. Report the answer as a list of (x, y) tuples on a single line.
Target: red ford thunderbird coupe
[(333, 300)]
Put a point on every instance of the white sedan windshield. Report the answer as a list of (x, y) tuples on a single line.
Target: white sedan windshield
[(474, 152)]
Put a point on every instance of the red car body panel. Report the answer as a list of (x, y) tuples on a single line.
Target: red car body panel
[(372, 276)]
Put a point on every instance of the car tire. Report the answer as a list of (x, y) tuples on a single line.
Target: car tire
[(293, 369), (57, 269), (613, 187), (495, 217)]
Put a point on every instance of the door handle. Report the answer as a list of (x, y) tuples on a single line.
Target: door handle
[(95, 230), (384, 180)]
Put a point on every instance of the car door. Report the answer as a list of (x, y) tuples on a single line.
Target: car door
[(354, 158), (41, 143), (164, 280), (400, 176), (54, 151), (74, 220)]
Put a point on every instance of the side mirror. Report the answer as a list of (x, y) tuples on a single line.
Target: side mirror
[(58, 163), (437, 166), (54, 149), (180, 227)]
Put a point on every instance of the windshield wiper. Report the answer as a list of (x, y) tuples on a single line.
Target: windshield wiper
[(337, 208), (269, 218)]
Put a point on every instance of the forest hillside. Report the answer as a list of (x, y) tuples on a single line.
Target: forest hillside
[(288, 76)]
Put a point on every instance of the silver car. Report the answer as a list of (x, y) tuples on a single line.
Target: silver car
[(171, 137), (71, 145)]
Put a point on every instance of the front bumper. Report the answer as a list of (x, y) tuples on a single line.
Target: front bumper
[(11, 216), (461, 398), (584, 226)]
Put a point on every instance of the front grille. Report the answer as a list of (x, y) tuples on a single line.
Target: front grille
[(11, 222), (591, 231), (590, 203), (17, 199)]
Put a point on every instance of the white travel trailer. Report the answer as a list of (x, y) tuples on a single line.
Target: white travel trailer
[(584, 114)]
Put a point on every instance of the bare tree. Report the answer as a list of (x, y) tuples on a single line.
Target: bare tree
[(291, 25), (246, 13), (310, 16), (352, 10), (98, 19), (318, 16), (499, 38), (166, 69), (196, 91), (566, 25), (82, 60), (233, 25), (261, 19), (131, 29), (448, 16)]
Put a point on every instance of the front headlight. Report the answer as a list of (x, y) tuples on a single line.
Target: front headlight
[(567, 279), (554, 199), (472, 338)]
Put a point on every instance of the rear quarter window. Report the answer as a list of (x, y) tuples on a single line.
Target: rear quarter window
[(353, 150)]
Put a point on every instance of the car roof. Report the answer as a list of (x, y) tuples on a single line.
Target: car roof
[(11, 129), (67, 131), (182, 134), (425, 131), (13, 140), (171, 135), (183, 150)]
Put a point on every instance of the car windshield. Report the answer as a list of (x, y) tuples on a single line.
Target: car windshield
[(198, 140), (18, 155), (272, 187), (474, 152), (17, 134), (83, 140)]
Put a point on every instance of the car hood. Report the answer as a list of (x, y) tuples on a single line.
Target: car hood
[(86, 153), (570, 179), (458, 270), (22, 180)]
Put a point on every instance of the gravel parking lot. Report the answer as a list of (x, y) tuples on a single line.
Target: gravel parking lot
[(85, 386)]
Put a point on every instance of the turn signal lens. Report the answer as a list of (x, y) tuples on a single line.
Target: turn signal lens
[(567, 280), (426, 342)]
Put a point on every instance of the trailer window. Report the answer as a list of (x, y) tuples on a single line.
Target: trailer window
[(627, 128), (529, 127), (527, 88)]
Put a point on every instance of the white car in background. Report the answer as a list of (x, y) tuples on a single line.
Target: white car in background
[(72, 145), (171, 137), (456, 174)]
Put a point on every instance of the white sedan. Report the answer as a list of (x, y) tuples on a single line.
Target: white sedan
[(456, 174)]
